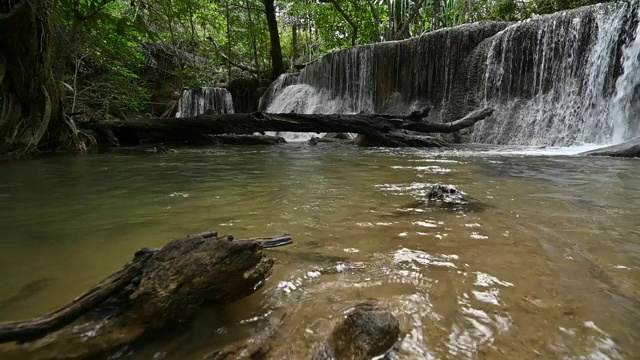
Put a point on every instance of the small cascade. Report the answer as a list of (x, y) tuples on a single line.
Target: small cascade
[(551, 79), (197, 101), (562, 79), (275, 89), (625, 107), (395, 76)]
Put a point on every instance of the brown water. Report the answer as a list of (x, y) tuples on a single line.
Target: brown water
[(544, 264)]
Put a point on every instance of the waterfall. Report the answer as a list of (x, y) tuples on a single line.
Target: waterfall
[(561, 79), (625, 107), (275, 89), (395, 76), (197, 101), (551, 79)]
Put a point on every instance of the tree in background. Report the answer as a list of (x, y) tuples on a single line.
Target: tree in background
[(123, 58), (32, 110)]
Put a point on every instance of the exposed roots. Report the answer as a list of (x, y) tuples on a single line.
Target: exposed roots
[(3, 67), (10, 118), (75, 142), (44, 122)]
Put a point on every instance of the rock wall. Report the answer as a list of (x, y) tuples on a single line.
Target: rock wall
[(561, 79)]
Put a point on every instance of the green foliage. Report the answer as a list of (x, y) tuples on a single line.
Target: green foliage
[(116, 55)]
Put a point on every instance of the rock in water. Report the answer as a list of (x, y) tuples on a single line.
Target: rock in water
[(368, 331), (338, 136), (629, 149), (446, 194)]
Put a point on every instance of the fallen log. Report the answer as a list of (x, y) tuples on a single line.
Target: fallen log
[(42, 325), (158, 287), (193, 129)]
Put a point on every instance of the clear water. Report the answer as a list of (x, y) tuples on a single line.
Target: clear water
[(544, 264)]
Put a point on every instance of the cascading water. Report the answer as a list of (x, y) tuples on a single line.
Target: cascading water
[(196, 101), (395, 76), (562, 79), (551, 79), (625, 107)]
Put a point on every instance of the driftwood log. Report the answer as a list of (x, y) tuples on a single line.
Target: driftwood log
[(158, 287), (380, 129)]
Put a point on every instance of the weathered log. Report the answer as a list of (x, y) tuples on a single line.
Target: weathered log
[(160, 286), (192, 129), (37, 327)]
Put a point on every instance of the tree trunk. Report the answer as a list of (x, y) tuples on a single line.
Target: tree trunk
[(32, 113), (294, 42), (436, 10), (348, 19), (254, 44), (377, 127), (274, 36)]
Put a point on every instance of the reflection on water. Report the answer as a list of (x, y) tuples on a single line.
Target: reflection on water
[(543, 263)]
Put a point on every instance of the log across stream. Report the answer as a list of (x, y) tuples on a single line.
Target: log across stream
[(379, 129)]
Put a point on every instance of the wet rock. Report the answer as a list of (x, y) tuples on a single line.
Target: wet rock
[(368, 331), (313, 141), (446, 194), (628, 149), (440, 196)]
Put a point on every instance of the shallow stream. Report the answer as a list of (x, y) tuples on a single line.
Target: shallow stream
[(544, 263)]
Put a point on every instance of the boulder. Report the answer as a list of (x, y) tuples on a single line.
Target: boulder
[(367, 331), (628, 149), (447, 194)]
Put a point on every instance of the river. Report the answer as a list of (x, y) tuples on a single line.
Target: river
[(543, 263)]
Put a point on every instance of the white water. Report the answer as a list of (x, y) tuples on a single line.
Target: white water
[(301, 99), (624, 112), (552, 79), (196, 101), (570, 101)]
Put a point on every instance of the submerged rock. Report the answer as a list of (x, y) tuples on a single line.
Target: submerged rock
[(441, 196), (447, 194), (629, 149), (368, 331)]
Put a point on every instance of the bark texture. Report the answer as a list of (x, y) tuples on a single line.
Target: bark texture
[(158, 287), (380, 129), (32, 113), (274, 36)]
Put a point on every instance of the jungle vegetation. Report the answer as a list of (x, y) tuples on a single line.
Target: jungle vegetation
[(120, 58)]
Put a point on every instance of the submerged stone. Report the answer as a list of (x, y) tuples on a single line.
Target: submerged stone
[(368, 331), (446, 194)]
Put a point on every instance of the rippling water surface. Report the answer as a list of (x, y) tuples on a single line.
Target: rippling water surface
[(543, 263)]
